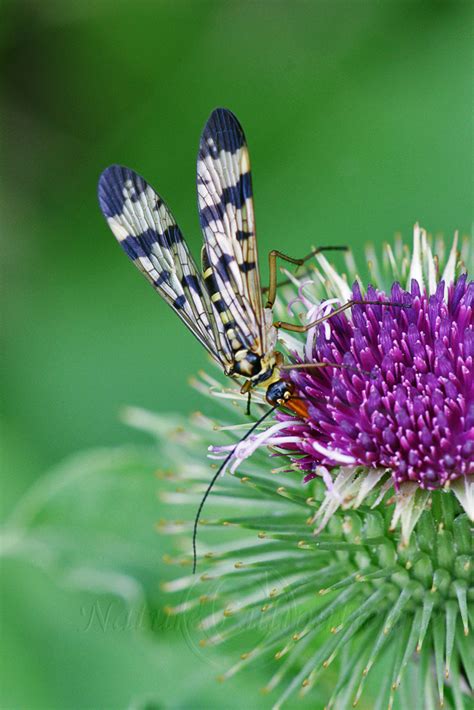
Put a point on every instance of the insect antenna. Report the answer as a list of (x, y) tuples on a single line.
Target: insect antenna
[(216, 476)]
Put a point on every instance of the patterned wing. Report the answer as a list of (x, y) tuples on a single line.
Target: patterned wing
[(226, 214), (149, 235)]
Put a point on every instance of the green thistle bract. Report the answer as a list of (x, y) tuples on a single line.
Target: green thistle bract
[(321, 578)]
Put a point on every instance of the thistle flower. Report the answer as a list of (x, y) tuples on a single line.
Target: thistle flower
[(387, 437), (403, 400)]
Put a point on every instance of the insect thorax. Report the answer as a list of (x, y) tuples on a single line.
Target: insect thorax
[(248, 364), (264, 371), (257, 369)]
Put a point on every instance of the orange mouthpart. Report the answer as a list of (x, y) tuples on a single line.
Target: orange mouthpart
[(298, 406)]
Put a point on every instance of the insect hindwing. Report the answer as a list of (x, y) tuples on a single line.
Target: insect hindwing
[(149, 235)]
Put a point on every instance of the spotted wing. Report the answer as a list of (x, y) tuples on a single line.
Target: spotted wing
[(224, 187), (148, 234)]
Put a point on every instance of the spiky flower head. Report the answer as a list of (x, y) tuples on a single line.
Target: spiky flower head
[(345, 590)]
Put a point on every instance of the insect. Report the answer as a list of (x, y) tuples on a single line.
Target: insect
[(221, 302)]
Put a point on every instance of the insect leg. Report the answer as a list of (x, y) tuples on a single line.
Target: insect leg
[(296, 328), (311, 365), (319, 365), (272, 262)]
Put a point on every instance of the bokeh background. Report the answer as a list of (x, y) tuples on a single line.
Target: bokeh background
[(358, 116)]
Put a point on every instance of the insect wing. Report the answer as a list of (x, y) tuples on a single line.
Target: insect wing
[(224, 187), (147, 232)]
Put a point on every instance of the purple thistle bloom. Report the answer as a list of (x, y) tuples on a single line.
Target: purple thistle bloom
[(404, 398)]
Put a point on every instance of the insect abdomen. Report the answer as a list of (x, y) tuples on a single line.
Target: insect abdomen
[(219, 303)]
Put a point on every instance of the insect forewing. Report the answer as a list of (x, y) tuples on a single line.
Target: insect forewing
[(147, 232), (226, 214)]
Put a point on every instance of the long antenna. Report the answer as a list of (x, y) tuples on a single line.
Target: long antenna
[(216, 476)]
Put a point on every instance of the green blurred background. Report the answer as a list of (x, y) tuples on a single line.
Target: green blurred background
[(358, 116)]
